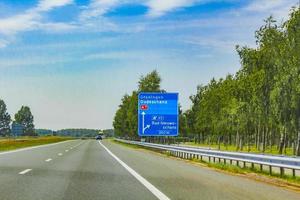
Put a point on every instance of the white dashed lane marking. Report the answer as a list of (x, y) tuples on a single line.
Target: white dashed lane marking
[(25, 171)]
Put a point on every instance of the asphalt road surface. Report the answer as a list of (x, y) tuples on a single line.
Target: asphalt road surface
[(87, 169)]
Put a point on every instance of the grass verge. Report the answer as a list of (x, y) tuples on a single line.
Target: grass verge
[(12, 144), (255, 173), (252, 149)]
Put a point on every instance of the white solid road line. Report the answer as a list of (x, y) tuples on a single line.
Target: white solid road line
[(35, 147), (148, 185), (25, 171), (48, 160)]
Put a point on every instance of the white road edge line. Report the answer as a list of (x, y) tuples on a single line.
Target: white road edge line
[(48, 160), (148, 185), (25, 171)]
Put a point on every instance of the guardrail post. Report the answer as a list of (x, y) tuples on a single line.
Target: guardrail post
[(214, 159), (237, 163), (261, 167), (219, 160), (201, 157), (225, 161), (230, 161), (209, 158), (244, 164), (270, 170), (294, 173), (252, 165), (281, 171)]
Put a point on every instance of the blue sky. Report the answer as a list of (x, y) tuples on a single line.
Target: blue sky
[(71, 61)]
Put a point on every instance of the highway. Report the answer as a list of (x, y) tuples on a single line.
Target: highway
[(87, 169)]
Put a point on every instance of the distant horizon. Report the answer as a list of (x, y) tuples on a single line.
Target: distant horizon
[(72, 61)]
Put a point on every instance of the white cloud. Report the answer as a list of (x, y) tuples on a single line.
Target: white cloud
[(264, 5), (46, 5), (21, 22), (31, 19), (279, 8), (159, 7), (98, 8), (3, 43), (57, 27), (123, 55)]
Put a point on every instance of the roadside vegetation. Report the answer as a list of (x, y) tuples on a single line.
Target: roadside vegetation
[(23, 118), (22, 142), (257, 109), (252, 149)]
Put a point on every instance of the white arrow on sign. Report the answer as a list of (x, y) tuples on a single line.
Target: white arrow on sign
[(148, 126)]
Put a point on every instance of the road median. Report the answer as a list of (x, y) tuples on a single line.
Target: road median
[(13, 144)]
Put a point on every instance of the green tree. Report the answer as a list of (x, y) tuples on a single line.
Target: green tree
[(260, 104), (125, 120), (4, 120), (150, 82), (25, 117)]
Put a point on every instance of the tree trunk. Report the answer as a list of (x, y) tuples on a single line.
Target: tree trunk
[(298, 144), (258, 138), (241, 143), (237, 139), (281, 143)]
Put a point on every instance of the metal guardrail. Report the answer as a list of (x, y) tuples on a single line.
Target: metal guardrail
[(281, 162)]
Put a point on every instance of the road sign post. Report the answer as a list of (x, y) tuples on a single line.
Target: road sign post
[(158, 114)]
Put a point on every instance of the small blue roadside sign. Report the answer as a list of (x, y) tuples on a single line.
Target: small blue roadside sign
[(158, 114), (17, 129)]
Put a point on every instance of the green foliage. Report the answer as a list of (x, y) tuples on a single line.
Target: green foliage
[(150, 83), (79, 132), (125, 120), (22, 142), (4, 120), (25, 117), (260, 105)]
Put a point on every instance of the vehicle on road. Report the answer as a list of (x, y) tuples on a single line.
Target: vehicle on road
[(98, 137)]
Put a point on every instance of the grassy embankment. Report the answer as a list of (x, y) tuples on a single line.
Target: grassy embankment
[(272, 151), (11, 144), (247, 171)]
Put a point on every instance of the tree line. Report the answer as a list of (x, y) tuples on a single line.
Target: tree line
[(257, 107), (23, 117)]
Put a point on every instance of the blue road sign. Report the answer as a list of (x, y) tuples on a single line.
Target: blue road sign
[(17, 129), (158, 114)]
